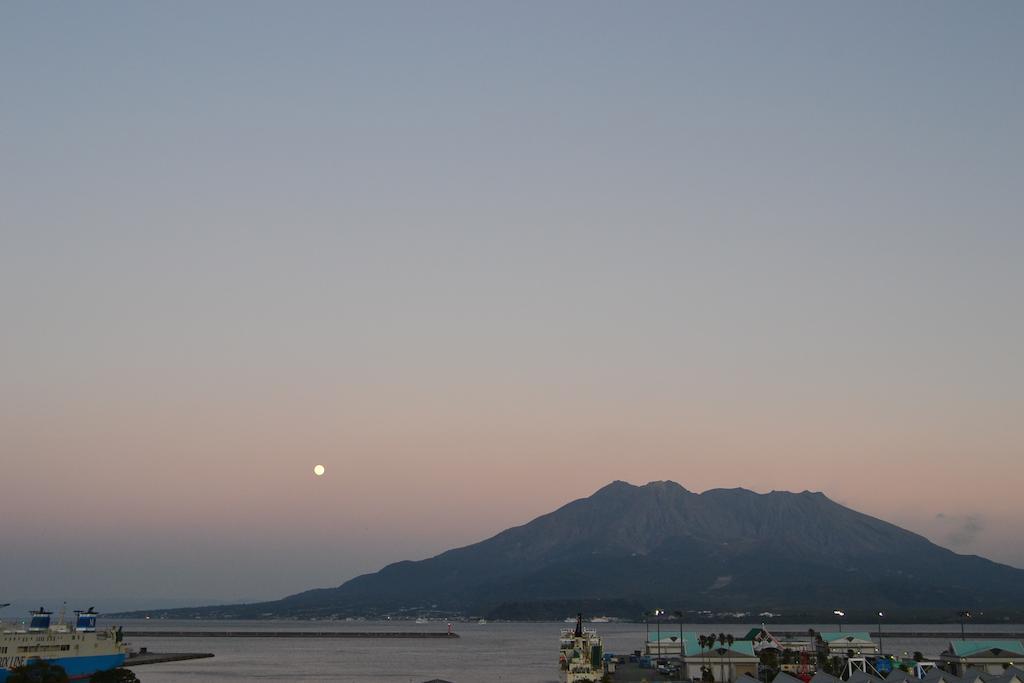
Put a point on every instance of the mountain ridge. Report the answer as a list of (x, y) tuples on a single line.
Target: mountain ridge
[(659, 543)]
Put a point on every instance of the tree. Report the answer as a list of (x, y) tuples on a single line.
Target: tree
[(679, 615), (38, 671), (770, 658), (918, 656)]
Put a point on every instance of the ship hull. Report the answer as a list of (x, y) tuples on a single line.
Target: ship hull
[(77, 668)]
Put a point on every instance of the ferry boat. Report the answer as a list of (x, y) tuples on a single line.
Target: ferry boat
[(580, 654), (81, 651)]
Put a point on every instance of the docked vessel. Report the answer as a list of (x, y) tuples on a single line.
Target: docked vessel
[(81, 651), (580, 654)]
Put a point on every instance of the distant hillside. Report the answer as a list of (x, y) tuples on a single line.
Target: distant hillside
[(629, 546)]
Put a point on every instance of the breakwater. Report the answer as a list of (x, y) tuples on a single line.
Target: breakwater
[(288, 634), (144, 658)]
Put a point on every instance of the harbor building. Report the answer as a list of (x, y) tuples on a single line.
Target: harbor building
[(763, 640), (726, 662), (989, 656), (840, 643)]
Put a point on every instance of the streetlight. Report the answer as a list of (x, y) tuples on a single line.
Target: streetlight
[(839, 613), (657, 614), (964, 616), (880, 650)]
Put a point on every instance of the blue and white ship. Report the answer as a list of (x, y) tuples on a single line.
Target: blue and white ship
[(81, 651)]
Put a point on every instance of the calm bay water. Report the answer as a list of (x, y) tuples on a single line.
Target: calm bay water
[(520, 652)]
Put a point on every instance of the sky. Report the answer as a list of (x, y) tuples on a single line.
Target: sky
[(481, 259)]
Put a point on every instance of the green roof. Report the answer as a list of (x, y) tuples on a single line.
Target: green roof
[(689, 639), (751, 634), (692, 644), (967, 648), (830, 636)]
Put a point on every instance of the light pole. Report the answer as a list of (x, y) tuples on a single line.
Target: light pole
[(880, 650), (839, 613), (657, 615), (964, 616)]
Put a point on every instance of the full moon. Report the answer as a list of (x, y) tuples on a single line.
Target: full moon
[(319, 470)]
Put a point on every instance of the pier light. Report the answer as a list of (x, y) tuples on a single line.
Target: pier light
[(880, 615), (839, 613), (964, 616)]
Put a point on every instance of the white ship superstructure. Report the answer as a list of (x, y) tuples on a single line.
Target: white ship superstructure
[(580, 654), (81, 651)]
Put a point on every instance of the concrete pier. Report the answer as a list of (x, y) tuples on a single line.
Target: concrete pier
[(161, 657)]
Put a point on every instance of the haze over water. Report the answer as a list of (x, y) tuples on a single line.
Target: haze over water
[(481, 260)]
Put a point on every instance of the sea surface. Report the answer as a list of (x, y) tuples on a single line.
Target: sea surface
[(520, 652)]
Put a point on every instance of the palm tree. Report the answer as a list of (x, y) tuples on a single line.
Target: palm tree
[(647, 634), (679, 615), (729, 640)]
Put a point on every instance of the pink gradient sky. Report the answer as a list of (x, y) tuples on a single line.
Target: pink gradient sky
[(481, 263)]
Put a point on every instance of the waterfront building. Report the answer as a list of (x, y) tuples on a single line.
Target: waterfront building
[(822, 677), (763, 640), (726, 662), (989, 656), (840, 643), (672, 643), (783, 677)]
